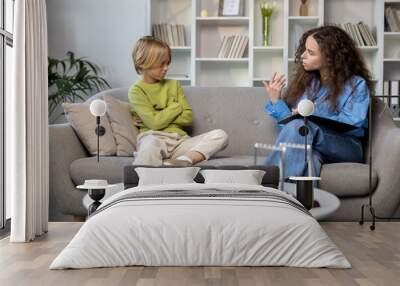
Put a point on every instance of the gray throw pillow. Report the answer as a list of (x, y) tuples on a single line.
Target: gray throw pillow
[(84, 124)]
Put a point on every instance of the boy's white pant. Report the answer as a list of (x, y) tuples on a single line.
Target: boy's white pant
[(155, 146)]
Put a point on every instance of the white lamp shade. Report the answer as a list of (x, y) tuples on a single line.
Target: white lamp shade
[(305, 107), (98, 107)]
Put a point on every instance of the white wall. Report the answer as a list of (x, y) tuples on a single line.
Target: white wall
[(102, 30)]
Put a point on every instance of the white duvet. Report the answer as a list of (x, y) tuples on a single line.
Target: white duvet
[(200, 231)]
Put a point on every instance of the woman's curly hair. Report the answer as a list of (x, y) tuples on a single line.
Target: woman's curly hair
[(341, 57)]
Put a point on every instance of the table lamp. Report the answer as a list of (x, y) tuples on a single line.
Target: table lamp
[(305, 109), (98, 108), (304, 185), (96, 188)]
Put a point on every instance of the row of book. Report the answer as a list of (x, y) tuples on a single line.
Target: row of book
[(359, 33), (392, 19), (173, 35), (233, 46)]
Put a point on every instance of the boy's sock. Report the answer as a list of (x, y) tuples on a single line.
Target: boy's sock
[(184, 158), (181, 161)]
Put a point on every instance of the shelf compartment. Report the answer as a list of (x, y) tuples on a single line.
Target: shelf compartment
[(391, 48), (172, 12), (391, 70), (266, 64), (277, 25), (216, 73), (180, 65), (209, 38), (212, 6), (294, 5)]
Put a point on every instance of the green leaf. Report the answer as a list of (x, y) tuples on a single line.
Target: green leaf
[(72, 78)]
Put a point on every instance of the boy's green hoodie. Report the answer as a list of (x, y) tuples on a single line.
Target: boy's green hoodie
[(161, 106)]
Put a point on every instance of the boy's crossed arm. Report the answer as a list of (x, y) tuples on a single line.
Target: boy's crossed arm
[(186, 117), (152, 118)]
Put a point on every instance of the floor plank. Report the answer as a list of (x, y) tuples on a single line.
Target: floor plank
[(374, 255)]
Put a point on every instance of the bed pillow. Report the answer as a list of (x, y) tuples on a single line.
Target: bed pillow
[(122, 125), (84, 124), (248, 177), (166, 176)]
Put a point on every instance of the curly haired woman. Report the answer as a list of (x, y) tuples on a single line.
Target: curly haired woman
[(331, 73)]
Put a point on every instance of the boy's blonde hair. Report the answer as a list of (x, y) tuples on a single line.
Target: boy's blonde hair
[(149, 53)]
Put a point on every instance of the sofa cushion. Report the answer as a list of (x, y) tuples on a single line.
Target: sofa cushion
[(109, 168), (112, 168), (270, 178), (347, 179)]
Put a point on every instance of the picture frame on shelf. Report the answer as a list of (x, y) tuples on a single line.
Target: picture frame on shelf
[(231, 8)]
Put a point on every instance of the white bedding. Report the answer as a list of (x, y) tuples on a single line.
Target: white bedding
[(200, 231)]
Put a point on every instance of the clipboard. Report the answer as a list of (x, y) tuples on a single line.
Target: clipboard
[(329, 123)]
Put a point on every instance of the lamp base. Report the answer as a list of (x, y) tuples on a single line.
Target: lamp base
[(305, 190), (305, 193), (96, 195)]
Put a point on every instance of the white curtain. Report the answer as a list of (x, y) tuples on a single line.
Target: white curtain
[(27, 124)]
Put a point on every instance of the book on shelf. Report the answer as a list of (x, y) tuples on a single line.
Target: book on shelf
[(360, 33), (392, 17), (233, 46), (366, 34), (391, 92), (221, 47), (394, 92), (385, 90), (173, 35)]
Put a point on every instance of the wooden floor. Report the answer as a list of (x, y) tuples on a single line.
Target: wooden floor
[(375, 257)]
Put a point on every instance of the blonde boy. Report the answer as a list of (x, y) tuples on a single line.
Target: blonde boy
[(163, 111)]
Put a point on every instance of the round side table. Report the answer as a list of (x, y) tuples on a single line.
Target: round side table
[(87, 200), (96, 193)]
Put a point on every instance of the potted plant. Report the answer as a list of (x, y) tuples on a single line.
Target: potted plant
[(71, 79)]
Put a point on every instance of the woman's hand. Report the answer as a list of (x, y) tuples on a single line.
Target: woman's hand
[(274, 87)]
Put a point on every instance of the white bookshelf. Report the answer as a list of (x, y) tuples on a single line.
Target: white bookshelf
[(197, 63), (391, 49)]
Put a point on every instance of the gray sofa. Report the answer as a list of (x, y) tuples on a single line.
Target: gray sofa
[(240, 112)]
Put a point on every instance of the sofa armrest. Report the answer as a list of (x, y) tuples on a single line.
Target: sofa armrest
[(386, 162), (64, 148)]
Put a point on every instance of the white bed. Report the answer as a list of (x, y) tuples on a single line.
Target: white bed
[(206, 230)]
